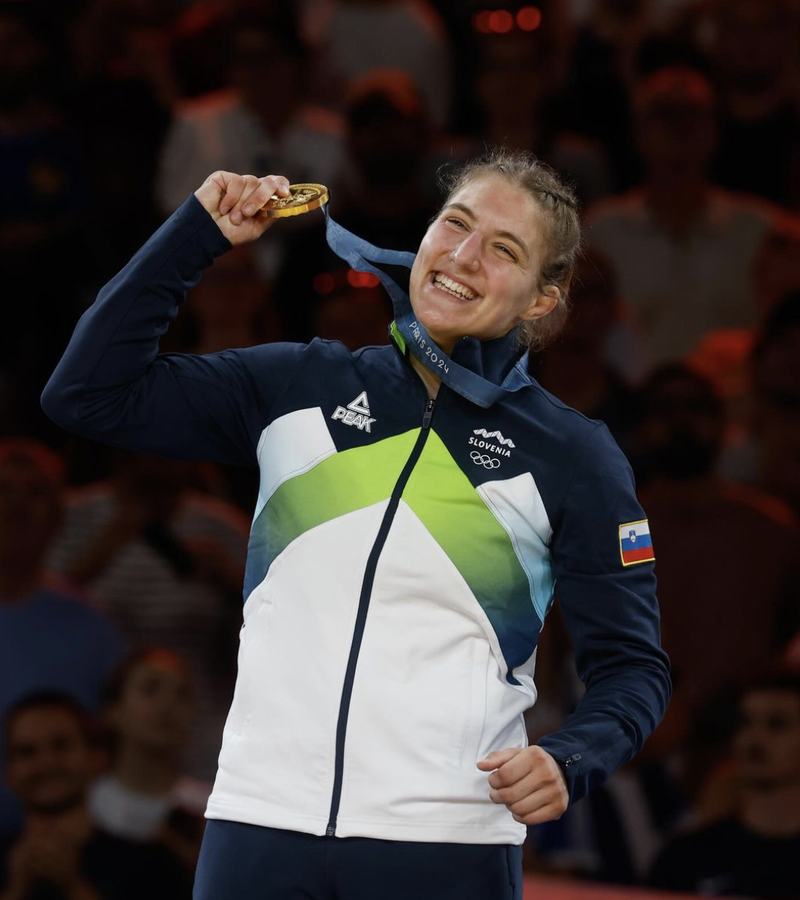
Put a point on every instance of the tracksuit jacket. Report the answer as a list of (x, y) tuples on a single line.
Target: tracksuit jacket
[(402, 559)]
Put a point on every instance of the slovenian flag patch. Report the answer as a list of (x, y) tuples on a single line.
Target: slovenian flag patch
[(635, 543)]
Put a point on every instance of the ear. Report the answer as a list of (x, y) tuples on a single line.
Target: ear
[(542, 303)]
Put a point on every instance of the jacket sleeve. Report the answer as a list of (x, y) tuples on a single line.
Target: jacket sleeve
[(611, 613), (113, 386)]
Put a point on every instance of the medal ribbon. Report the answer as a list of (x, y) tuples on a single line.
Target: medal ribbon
[(361, 255)]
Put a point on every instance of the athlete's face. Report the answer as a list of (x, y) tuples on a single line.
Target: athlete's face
[(478, 266)]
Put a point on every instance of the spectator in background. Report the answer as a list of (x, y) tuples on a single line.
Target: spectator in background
[(166, 564), (683, 250), (48, 637), (603, 73), (230, 308), (143, 796), (754, 58), (389, 189), (517, 95), (753, 852), (719, 547), (264, 123), (361, 35), (577, 368), (388, 196), (775, 445), (60, 854)]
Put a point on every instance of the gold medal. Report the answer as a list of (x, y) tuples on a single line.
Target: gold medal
[(302, 199)]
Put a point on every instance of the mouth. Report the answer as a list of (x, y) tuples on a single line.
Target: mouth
[(453, 288)]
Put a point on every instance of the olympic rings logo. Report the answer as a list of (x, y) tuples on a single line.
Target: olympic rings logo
[(488, 462)]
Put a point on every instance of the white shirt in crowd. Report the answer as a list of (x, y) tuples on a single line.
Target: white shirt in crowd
[(678, 289)]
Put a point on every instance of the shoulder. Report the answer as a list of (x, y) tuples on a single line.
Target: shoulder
[(564, 425), (733, 208)]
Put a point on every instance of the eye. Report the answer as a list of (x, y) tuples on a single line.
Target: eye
[(505, 250), (452, 220)]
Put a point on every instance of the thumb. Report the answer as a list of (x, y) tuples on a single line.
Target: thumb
[(497, 758)]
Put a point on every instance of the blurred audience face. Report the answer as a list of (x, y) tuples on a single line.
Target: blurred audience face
[(267, 73), (675, 122), (50, 759), (510, 80), (155, 706), (767, 742), (754, 42), (683, 424), (30, 501), (388, 132)]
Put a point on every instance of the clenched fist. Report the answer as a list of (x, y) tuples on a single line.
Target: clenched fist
[(529, 782), (236, 203)]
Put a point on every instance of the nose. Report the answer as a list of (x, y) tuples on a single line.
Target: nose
[(467, 253)]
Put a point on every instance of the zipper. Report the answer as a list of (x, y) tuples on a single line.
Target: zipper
[(363, 606)]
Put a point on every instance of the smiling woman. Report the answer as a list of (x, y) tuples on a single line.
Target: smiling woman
[(405, 546), (505, 241)]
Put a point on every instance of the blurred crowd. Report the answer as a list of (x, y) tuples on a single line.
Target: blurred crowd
[(678, 123)]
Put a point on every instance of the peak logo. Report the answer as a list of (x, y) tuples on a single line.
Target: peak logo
[(355, 413)]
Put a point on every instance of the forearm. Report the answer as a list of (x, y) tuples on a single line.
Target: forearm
[(610, 724)]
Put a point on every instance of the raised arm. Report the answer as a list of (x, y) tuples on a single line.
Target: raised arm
[(113, 386)]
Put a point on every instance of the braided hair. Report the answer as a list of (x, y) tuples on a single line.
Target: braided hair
[(562, 241)]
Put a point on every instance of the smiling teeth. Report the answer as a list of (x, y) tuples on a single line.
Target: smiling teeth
[(453, 286)]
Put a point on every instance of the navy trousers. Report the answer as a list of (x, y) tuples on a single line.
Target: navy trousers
[(249, 862)]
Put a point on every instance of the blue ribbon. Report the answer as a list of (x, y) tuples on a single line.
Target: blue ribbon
[(474, 387)]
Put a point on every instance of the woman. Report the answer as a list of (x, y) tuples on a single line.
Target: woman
[(144, 796), (403, 551)]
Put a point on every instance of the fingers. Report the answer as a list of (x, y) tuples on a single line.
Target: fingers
[(529, 783), (249, 195), (497, 758)]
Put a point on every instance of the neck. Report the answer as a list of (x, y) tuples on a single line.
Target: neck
[(145, 771), (431, 382), (772, 812), (677, 203)]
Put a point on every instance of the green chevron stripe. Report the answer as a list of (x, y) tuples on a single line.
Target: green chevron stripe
[(342, 483)]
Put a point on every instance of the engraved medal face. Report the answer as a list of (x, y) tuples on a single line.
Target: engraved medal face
[(302, 199)]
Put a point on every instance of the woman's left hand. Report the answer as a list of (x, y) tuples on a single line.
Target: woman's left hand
[(529, 782)]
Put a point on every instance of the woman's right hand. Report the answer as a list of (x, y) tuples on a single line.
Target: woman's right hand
[(236, 203)]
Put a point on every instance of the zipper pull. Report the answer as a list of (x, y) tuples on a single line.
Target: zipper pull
[(426, 419)]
